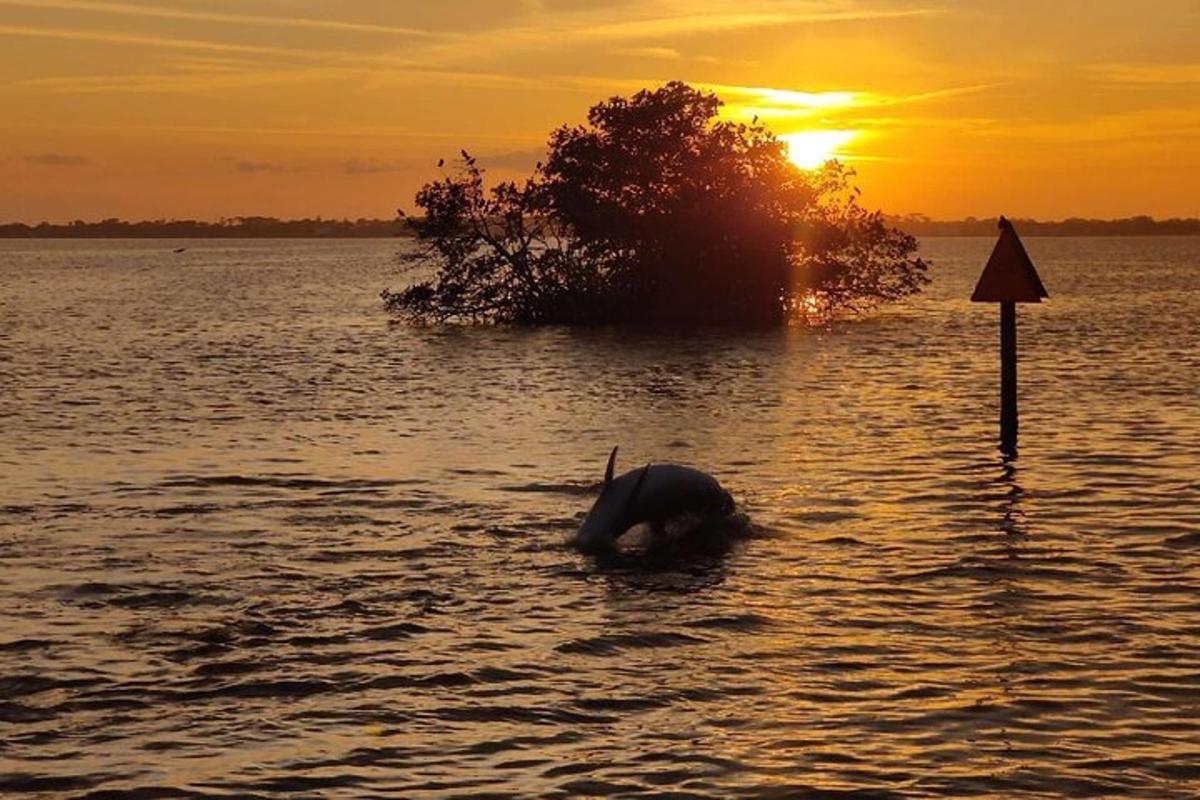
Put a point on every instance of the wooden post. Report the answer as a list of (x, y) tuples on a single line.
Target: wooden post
[(1008, 378), (1009, 278)]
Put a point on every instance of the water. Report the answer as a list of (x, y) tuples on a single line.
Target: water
[(258, 542)]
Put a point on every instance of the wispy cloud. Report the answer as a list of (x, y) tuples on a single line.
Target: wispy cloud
[(520, 160), (463, 59), (349, 132), (659, 25), (57, 160), (747, 100), (369, 166), (939, 94), (664, 53), (163, 12), (178, 75), (193, 79), (713, 19), (251, 167), (1149, 73), (1118, 129), (109, 37), (773, 103)]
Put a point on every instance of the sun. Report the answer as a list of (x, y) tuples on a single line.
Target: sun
[(811, 149)]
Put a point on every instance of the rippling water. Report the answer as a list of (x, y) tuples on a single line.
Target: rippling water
[(257, 542)]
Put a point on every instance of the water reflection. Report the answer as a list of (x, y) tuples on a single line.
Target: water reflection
[(1012, 521), (675, 574)]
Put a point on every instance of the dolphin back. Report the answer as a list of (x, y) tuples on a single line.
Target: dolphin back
[(669, 490)]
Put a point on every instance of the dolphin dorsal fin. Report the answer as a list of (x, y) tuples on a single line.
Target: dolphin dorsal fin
[(637, 487), (608, 471)]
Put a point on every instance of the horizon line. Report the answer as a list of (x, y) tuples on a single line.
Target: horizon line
[(910, 217)]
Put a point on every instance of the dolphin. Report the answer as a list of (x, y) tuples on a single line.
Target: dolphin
[(655, 495)]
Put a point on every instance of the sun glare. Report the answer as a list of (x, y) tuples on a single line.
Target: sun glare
[(811, 149)]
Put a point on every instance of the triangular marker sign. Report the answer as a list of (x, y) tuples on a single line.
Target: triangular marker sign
[(1009, 276)]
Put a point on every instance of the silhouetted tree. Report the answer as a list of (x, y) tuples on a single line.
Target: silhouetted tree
[(501, 256), (655, 211)]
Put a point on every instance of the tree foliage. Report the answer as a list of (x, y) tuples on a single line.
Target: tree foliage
[(657, 211)]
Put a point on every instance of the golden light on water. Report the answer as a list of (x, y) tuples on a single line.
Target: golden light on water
[(809, 308), (811, 149)]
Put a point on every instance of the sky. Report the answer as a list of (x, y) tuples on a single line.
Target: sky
[(295, 108)]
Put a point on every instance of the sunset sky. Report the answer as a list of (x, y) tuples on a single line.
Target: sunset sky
[(200, 108)]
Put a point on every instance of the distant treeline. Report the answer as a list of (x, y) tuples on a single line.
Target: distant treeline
[(234, 227), (920, 225), (270, 227)]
